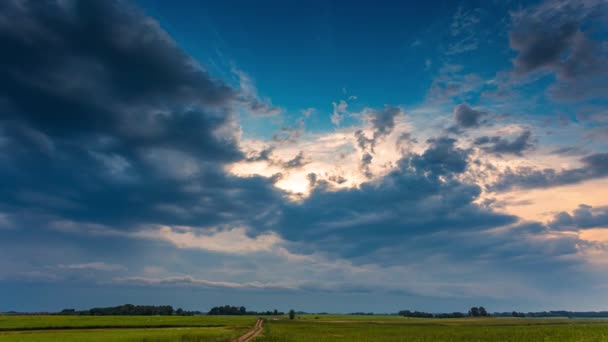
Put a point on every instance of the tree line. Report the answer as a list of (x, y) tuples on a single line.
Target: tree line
[(131, 310), (473, 312), (167, 310), (151, 310), (557, 313), (241, 311)]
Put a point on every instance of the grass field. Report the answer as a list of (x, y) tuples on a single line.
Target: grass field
[(391, 328), (125, 335), (305, 328), (100, 322), (123, 328)]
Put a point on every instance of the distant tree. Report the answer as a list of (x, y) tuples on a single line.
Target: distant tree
[(275, 312), (130, 310), (292, 314), (482, 311), (228, 310), (179, 312), (514, 314), (474, 312)]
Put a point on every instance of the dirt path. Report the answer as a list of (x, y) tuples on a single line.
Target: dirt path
[(253, 333)]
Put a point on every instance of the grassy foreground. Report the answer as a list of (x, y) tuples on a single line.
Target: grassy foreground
[(366, 328), (102, 322), (123, 328), (305, 328), (125, 335)]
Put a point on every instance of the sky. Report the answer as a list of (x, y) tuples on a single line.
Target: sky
[(325, 156)]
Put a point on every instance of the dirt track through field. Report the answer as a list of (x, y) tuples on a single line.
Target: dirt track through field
[(253, 333)]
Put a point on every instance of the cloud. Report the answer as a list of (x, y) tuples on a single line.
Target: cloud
[(229, 240), (340, 110), (250, 99), (290, 133), (500, 145), (104, 116), (441, 158), (382, 122), (583, 217), (263, 155), (452, 83), (189, 281), (464, 31), (297, 162), (138, 88), (552, 37), (308, 112), (594, 166), (95, 266), (467, 117), (421, 196), (366, 160)]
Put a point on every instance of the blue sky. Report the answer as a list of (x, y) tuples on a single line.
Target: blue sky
[(326, 156)]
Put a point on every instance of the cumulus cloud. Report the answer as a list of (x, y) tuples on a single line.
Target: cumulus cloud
[(106, 89), (467, 117), (594, 166), (263, 155), (500, 145), (128, 124), (583, 217), (552, 37), (421, 196), (297, 161), (382, 122)]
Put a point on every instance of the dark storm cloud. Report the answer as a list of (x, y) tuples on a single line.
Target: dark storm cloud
[(467, 117), (583, 217), (105, 69), (500, 145), (552, 37), (594, 166), (103, 116)]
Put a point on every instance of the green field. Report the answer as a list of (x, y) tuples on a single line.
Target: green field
[(123, 328), (303, 328), (393, 328), (100, 322), (126, 335)]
